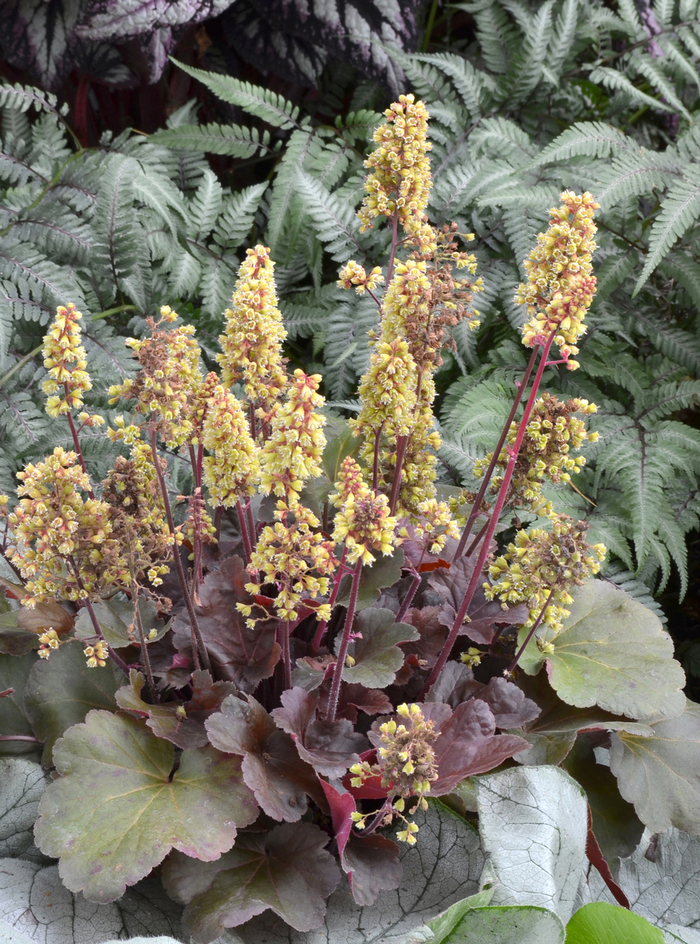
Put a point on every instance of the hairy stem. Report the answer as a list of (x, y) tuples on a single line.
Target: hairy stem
[(401, 443), (144, 646), (243, 526), (197, 641), (286, 655), (408, 599), (344, 643), (394, 243), (321, 628), (79, 451), (477, 575)]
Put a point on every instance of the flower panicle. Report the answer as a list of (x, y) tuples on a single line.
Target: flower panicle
[(363, 521), (231, 470), (66, 362), (560, 283)]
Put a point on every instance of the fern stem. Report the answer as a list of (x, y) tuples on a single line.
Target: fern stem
[(474, 514), (535, 626), (344, 643), (429, 26), (477, 574), (197, 641)]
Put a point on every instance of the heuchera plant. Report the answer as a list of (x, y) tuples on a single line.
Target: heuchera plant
[(342, 644)]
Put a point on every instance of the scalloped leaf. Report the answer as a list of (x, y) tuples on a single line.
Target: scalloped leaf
[(134, 791)]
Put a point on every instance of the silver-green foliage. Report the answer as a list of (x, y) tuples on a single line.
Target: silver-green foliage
[(121, 228)]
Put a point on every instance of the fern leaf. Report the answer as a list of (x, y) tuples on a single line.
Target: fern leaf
[(481, 412), (466, 80), (503, 137), (618, 82), (334, 220), (236, 220), (651, 70), (612, 272), (683, 267), (682, 65), (230, 140), (498, 38), (563, 36), (205, 205), (155, 190), (632, 585), (531, 58), (44, 280), (185, 274), (300, 144), (679, 211), (65, 237), (218, 281), (633, 174), (586, 139), (23, 98), (257, 101), (120, 256)]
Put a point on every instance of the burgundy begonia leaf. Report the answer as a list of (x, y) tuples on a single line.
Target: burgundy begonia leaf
[(118, 808), (376, 654), (330, 747), (467, 744), (431, 631), (238, 654), (271, 764), (483, 614), (371, 862), (287, 870), (455, 685), (181, 723)]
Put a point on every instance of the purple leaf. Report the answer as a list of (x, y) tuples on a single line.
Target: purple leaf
[(371, 862), (330, 747), (484, 615), (510, 707), (287, 870), (238, 654), (271, 765)]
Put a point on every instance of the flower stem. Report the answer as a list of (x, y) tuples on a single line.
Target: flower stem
[(142, 639), (321, 628), (76, 443), (197, 641), (286, 656), (494, 458), (344, 643), (408, 599), (495, 515), (394, 242), (243, 526), (535, 627), (401, 443)]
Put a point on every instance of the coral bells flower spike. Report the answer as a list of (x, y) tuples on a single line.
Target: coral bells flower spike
[(353, 274), (363, 521), (66, 361), (232, 469), (401, 180), (293, 452), (252, 342), (560, 283)]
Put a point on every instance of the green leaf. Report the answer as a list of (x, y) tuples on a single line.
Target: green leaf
[(23, 783), (532, 822), (116, 619), (614, 822), (679, 212), (384, 572), (376, 654), (613, 652), (524, 924), (14, 717), (35, 903), (139, 808), (61, 690), (600, 923), (660, 774), (231, 140)]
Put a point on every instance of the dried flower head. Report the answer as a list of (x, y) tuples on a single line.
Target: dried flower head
[(66, 361), (252, 342), (232, 468), (560, 283), (553, 433), (542, 563), (167, 380), (295, 557)]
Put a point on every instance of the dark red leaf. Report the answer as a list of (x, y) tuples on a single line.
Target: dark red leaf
[(436, 565), (271, 765), (330, 747), (238, 654)]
